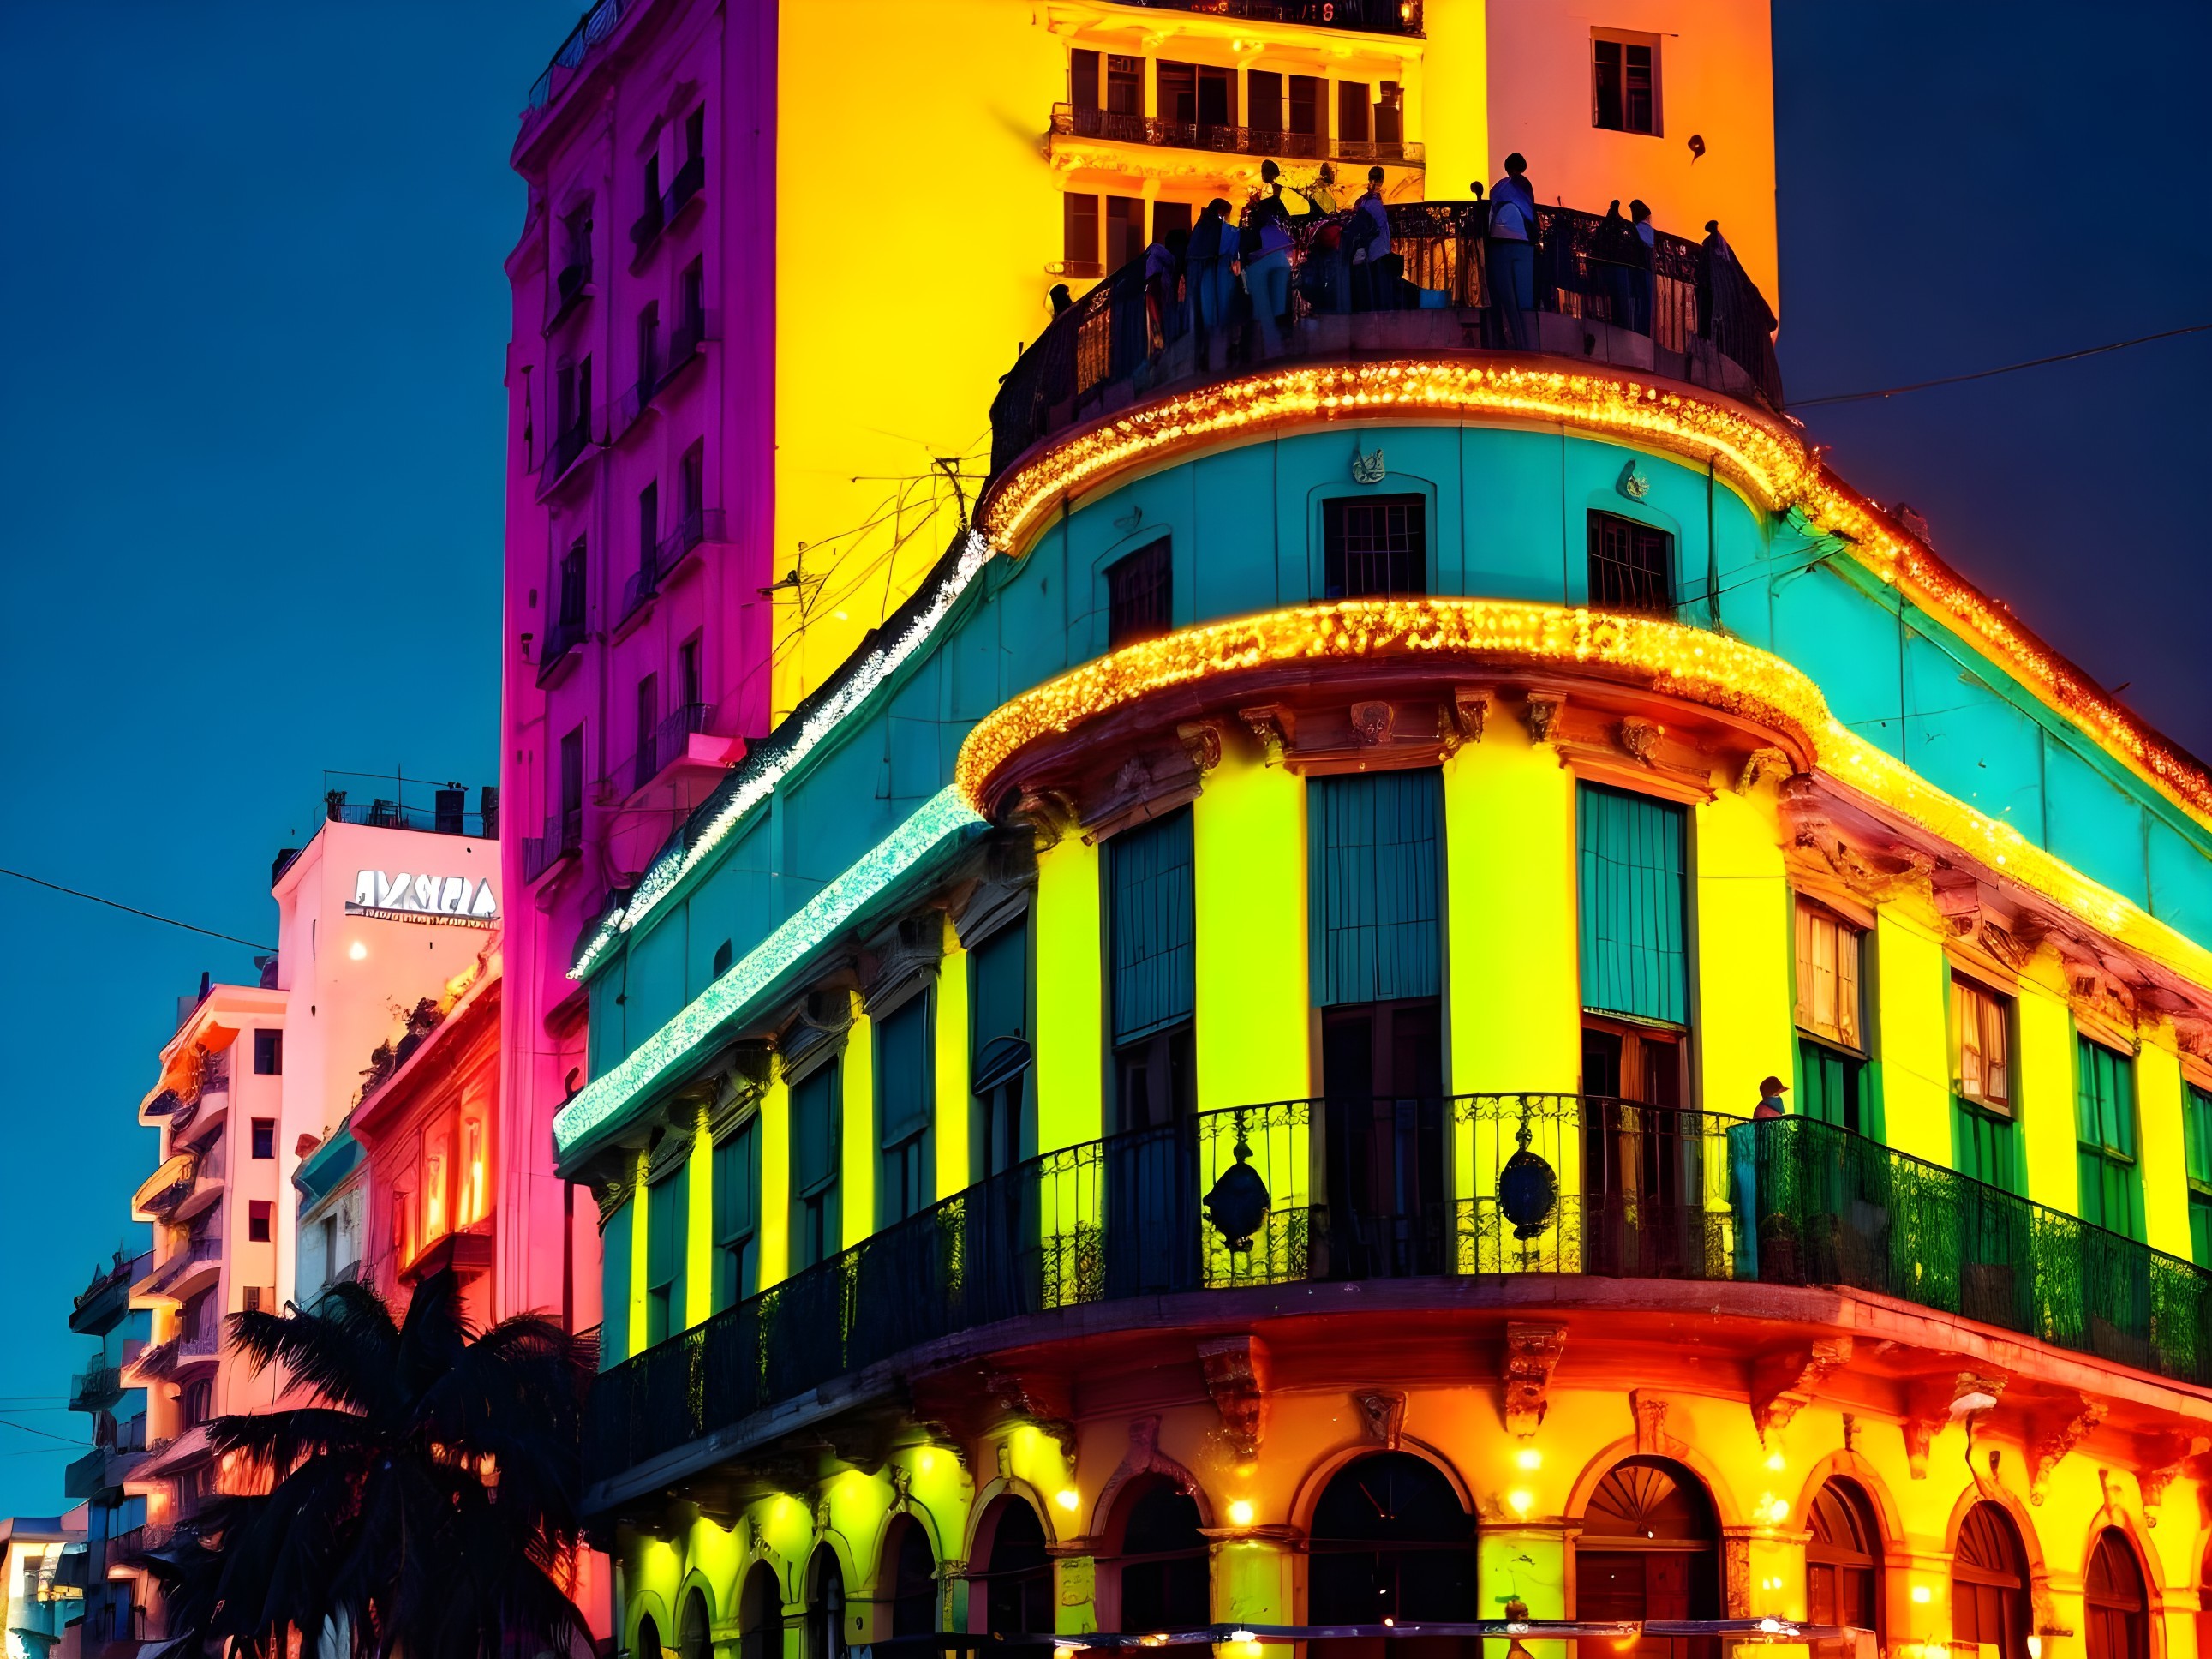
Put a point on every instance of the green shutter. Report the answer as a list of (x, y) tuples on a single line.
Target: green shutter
[(1632, 899), (1149, 906), (2197, 1134), (2105, 1134), (815, 1111), (905, 1096), (736, 1215), (664, 1231), (999, 977), (1375, 883), (614, 1287), (1984, 1146)]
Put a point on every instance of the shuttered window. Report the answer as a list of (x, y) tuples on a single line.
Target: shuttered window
[(905, 1100), (663, 1255), (1983, 1127), (815, 1218), (2104, 1140), (737, 1214), (1633, 900), (2196, 1147), (1149, 907), (1374, 882), (614, 1287), (1001, 1130)]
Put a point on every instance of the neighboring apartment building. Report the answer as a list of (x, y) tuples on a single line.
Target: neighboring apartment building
[(777, 258), (42, 1563), (113, 1608)]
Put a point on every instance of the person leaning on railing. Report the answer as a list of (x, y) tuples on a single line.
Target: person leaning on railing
[(1512, 251), (1267, 255), (1209, 259), (1743, 1173)]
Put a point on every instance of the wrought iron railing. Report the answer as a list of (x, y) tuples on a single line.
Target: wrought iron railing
[(694, 526), (1368, 16), (1303, 1191), (1073, 121), (1599, 294), (566, 634), (448, 815), (570, 444), (594, 26), (563, 838)]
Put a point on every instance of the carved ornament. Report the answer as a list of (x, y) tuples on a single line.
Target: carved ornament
[(1236, 1376), (2056, 1436), (1383, 1414), (1782, 1384), (1928, 1409), (1544, 708), (1531, 1354)]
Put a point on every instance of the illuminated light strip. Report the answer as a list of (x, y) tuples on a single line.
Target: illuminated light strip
[(758, 778), (1677, 660), (1763, 458), (606, 1097)]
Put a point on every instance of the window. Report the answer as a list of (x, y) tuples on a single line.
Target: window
[(648, 716), (572, 402), (471, 1208), (1981, 1085), (268, 1053), (691, 306), (1632, 905), (1083, 78), (1988, 1585), (1390, 1542), (1151, 976), (695, 135), (571, 786), (737, 1214), (1832, 1069), (690, 677), (330, 1247), (615, 1257), (1306, 108), (2113, 1597), (403, 1227), (816, 1109), (259, 1213), (1138, 593), (1631, 566), (665, 1206), (572, 587), (1389, 119), (265, 1137), (724, 955), (648, 351), (1374, 545), (691, 488), (1176, 85), (1263, 98), (2197, 1142), (2104, 1140), (913, 1580), (1843, 1561), (906, 1099), (1649, 1549), (1000, 1132), (1125, 230), (1079, 233), (1124, 84), (1625, 82), (652, 182), (1016, 1580), (1352, 112), (1160, 1563), (437, 1164), (197, 1401), (648, 531), (1169, 217)]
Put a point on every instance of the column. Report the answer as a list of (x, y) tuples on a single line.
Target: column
[(1744, 941), (699, 1227), (949, 1050), (1070, 997), (1912, 1036), (775, 1181), (1248, 885), (2043, 1085), (856, 1137), (2162, 1153)]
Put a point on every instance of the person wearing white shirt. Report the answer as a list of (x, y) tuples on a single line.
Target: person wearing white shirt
[(1513, 251)]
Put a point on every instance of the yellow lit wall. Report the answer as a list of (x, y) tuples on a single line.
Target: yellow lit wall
[(640, 1250), (1745, 940), (1454, 111), (1913, 1031), (857, 1132), (2045, 1092), (774, 1183), (949, 1048), (2165, 1161), (1515, 1017), (699, 1229), (1249, 888), (1070, 1008), (914, 221)]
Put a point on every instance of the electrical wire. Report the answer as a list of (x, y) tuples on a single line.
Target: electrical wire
[(132, 909), (2008, 368)]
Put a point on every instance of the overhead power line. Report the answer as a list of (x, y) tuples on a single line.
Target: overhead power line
[(2008, 368), (132, 909)]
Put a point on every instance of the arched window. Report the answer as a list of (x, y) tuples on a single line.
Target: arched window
[(825, 1607), (1988, 1583), (1157, 1556), (760, 1616), (1651, 1549), (2114, 1598), (912, 1578), (1016, 1578), (1390, 1541), (1843, 1562), (695, 1638), (648, 1638)]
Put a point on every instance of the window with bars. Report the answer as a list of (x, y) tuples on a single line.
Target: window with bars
[(815, 1222), (737, 1214), (1631, 566), (1625, 82), (2196, 1153), (1985, 1129), (1139, 593), (664, 1229), (2104, 1140), (1374, 545), (906, 1100)]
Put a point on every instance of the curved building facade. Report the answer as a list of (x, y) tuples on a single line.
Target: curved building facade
[(1203, 1089)]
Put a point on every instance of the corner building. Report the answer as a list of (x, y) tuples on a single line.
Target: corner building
[(1199, 1089)]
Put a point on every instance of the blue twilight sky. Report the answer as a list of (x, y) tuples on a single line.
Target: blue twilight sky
[(250, 491)]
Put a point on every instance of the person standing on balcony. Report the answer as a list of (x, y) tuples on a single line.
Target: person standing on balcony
[(1369, 237), (1614, 246), (1771, 1091), (1715, 281), (1513, 251), (1323, 194), (1743, 1143), (1267, 271), (1209, 259), (1647, 249)]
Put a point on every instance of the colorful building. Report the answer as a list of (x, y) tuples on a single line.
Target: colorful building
[(112, 1592), (41, 1571), (1202, 1088)]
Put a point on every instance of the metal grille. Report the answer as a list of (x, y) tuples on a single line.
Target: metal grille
[(1139, 590), (1631, 566), (1375, 544)]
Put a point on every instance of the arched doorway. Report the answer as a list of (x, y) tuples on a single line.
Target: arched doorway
[(648, 1638), (1843, 1560), (760, 1616), (695, 1638), (1989, 1582), (1017, 1576), (1649, 1549), (1158, 1558), (825, 1606), (2116, 1601), (1390, 1541), (912, 1574)]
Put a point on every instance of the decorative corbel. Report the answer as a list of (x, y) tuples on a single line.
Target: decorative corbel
[(1370, 723), (1047, 812), (1236, 1376), (1760, 764), (1383, 1413), (902, 1479), (1781, 1383), (1270, 724), (1201, 741), (1652, 1439), (1932, 1403), (1640, 738), (1470, 711), (1544, 708), (1041, 1401), (2056, 1436), (1531, 1354), (2164, 1460)]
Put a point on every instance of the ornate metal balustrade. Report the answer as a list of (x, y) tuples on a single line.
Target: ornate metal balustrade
[(1115, 126), (1302, 1191)]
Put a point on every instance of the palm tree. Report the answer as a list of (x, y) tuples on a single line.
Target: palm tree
[(424, 1507)]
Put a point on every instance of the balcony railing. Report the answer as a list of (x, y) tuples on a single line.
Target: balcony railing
[(566, 634), (448, 815), (86, 1476), (193, 1253), (1369, 16), (1303, 1191), (668, 742), (595, 26), (563, 838), (1070, 121), (1671, 310), (683, 189), (694, 528), (570, 288)]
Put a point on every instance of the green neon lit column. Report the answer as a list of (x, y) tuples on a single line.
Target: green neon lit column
[(1912, 1029), (1248, 890), (1251, 1585), (1070, 1066), (857, 1173), (1529, 1562), (1745, 1027), (775, 1183)]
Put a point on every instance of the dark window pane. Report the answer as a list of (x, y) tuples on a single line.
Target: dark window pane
[(1138, 595), (1374, 545), (1631, 566)]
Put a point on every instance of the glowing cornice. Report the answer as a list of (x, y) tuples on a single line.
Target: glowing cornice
[(606, 1097), (1756, 453), (1671, 658)]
